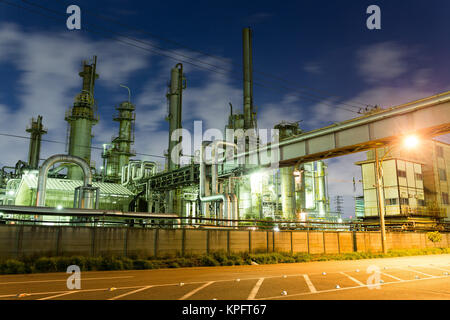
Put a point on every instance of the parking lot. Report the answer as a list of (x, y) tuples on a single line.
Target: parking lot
[(424, 277)]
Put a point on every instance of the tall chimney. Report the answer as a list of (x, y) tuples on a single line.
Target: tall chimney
[(248, 80), (175, 94), (36, 130)]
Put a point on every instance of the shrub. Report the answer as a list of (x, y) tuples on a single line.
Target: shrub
[(45, 265), (236, 259), (141, 264), (220, 256), (434, 237), (173, 264), (302, 257), (188, 262), (127, 263), (209, 261), (93, 263), (63, 262), (109, 263), (12, 266), (78, 261)]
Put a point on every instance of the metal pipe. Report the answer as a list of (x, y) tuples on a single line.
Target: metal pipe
[(150, 165), (379, 177), (129, 92), (228, 206), (203, 197), (215, 154), (137, 170), (43, 172), (125, 174), (321, 187)]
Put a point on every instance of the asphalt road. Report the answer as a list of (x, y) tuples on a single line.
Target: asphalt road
[(421, 277)]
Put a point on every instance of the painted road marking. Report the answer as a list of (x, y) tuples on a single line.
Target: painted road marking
[(187, 295), (346, 288), (58, 295), (353, 279), (255, 289), (393, 277), (309, 283), (130, 293), (63, 280), (58, 292), (423, 273), (447, 270)]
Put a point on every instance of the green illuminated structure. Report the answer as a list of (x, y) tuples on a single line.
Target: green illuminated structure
[(118, 155), (81, 117)]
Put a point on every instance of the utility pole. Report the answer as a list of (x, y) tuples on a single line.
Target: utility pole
[(380, 201)]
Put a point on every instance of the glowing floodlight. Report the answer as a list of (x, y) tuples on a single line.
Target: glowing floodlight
[(411, 141)]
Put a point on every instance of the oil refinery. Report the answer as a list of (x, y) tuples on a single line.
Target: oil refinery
[(126, 184), (236, 184)]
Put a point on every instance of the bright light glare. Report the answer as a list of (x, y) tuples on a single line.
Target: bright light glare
[(10, 192), (59, 207), (276, 229), (256, 181), (339, 220), (411, 141)]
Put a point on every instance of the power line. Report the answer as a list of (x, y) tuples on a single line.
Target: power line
[(314, 97), (83, 146), (133, 28), (301, 95)]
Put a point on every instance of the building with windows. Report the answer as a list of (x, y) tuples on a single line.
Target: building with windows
[(414, 182)]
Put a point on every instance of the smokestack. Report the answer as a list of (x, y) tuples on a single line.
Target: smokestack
[(248, 80), (36, 130), (175, 94)]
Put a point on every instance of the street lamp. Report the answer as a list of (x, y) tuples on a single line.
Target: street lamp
[(409, 142)]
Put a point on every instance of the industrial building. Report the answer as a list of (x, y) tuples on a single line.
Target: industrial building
[(197, 190), (415, 182)]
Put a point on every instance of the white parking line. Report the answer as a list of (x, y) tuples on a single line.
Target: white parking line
[(58, 295), (393, 277), (346, 288), (353, 279), (309, 283), (255, 289), (447, 270), (63, 280), (423, 273), (187, 295), (59, 292), (129, 293)]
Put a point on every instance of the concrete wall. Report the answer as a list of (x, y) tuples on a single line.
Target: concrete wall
[(20, 241)]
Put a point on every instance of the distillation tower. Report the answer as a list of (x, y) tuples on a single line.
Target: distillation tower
[(81, 117), (118, 155)]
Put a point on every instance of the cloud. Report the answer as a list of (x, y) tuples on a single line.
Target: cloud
[(382, 61), (313, 68), (48, 64)]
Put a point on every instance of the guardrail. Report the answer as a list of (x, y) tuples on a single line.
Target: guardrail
[(173, 221)]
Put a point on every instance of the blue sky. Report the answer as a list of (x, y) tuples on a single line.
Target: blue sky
[(328, 60)]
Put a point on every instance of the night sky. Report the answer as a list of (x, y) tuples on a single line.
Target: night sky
[(314, 61)]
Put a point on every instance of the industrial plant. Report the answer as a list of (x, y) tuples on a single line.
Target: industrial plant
[(124, 183), (227, 190)]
